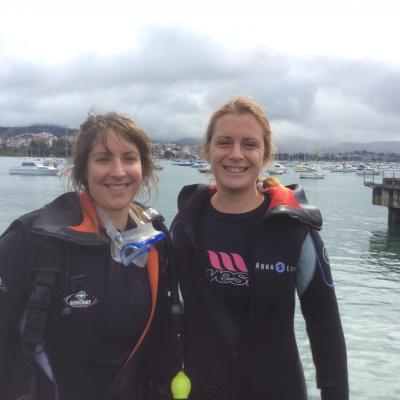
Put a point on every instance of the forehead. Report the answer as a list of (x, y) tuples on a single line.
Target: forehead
[(245, 125), (112, 140)]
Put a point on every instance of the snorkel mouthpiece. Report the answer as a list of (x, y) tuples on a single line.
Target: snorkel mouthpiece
[(133, 245)]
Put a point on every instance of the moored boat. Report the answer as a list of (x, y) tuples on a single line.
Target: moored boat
[(303, 168), (204, 170), (275, 169), (181, 163), (33, 168), (311, 175)]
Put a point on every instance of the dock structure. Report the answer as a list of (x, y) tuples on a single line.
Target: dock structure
[(386, 192)]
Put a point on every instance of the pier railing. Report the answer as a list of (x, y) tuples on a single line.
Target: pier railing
[(388, 179), (386, 192)]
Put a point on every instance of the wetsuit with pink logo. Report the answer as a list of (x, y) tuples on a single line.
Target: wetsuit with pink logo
[(225, 241), (239, 275)]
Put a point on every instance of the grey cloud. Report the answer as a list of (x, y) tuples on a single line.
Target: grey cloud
[(173, 78), (368, 82)]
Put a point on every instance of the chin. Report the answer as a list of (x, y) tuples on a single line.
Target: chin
[(235, 188)]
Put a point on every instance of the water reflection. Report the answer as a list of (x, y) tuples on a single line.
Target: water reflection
[(384, 250)]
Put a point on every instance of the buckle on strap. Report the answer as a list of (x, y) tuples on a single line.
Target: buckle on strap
[(33, 322)]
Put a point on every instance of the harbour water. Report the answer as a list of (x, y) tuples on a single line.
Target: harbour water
[(364, 254)]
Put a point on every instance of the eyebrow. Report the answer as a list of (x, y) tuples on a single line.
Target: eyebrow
[(244, 138), (106, 151), (222, 136)]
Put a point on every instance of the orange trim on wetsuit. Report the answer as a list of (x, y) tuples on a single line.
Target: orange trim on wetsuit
[(279, 195), (152, 269), (89, 223)]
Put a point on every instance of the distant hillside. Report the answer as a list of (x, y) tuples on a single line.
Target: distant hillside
[(374, 147), (187, 141), (303, 145), (37, 128), (283, 145)]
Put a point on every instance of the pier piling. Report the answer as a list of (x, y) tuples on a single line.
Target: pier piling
[(386, 192)]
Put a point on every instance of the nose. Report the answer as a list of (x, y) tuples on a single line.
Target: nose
[(236, 151), (118, 168)]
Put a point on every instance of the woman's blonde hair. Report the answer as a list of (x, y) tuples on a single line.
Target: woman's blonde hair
[(241, 105)]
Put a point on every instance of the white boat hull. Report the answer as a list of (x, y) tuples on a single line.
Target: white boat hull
[(27, 171), (28, 167), (311, 176)]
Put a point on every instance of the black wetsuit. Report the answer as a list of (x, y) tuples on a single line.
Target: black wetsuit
[(103, 315), (265, 255)]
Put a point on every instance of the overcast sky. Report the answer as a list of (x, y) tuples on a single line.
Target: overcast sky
[(322, 69)]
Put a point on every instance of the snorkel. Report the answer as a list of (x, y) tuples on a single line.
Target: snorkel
[(133, 245)]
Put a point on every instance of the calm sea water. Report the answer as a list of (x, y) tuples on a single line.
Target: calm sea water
[(364, 253)]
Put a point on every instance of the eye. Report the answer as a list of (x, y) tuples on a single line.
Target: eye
[(131, 157), (251, 145), (223, 143), (103, 158)]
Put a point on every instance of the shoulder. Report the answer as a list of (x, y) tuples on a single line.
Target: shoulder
[(16, 253), (191, 200), (21, 226), (291, 201), (192, 194)]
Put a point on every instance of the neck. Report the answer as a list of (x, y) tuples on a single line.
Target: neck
[(119, 219), (231, 202)]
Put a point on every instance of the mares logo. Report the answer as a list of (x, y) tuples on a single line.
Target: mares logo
[(227, 268), (231, 278), (80, 300)]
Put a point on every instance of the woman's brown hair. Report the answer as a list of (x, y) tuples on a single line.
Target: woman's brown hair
[(94, 130)]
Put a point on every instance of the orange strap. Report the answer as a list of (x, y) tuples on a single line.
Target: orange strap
[(280, 196), (153, 271), (89, 223)]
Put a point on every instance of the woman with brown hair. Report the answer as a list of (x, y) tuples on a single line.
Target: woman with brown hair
[(243, 247), (83, 300)]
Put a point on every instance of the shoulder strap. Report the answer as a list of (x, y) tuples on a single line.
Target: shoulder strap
[(222, 319), (175, 303), (47, 264)]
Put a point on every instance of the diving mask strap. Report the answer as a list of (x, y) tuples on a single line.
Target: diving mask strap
[(132, 245), (112, 232)]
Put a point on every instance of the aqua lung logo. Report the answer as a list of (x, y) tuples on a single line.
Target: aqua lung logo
[(280, 267), (80, 300), (3, 287)]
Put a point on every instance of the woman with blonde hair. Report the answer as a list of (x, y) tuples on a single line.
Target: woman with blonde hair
[(243, 247)]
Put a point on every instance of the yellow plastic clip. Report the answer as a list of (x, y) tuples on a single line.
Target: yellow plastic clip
[(180, 386)]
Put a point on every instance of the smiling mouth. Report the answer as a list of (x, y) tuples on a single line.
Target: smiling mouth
[(235, 170), (117, 188)]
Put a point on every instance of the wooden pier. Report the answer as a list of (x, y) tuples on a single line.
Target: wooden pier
[(386, 192)]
